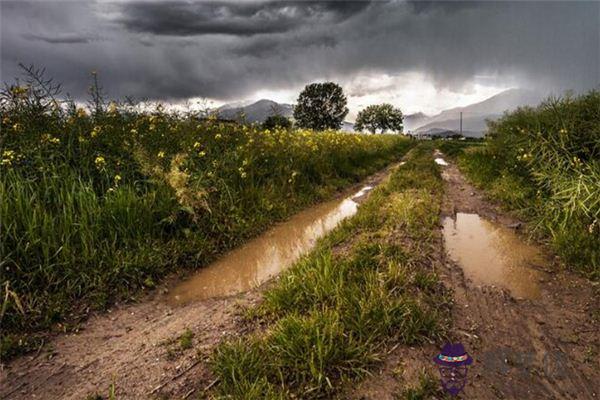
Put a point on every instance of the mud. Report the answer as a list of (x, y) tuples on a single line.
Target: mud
[(264, 257), (493, 255)]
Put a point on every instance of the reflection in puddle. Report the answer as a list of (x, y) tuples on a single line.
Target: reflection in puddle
[(264, 257), (493, 255)]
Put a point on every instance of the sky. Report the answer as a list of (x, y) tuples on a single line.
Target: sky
[(419, 56)]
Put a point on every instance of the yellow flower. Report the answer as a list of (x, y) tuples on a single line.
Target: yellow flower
[(95, 131), (54, 140), (197, 145), (117, 179), (7, 157), (218, 136), (17, 127), (161, 154), (202, 153), (100, 162), (133, 131)]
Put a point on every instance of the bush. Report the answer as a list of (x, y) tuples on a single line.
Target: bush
[(545, 163)]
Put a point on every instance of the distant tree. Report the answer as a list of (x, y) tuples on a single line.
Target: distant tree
[(277, 121), (380, 116), (321, 106)]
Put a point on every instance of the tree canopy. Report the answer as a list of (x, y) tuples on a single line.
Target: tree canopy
[(321, 106), (276, 121), (379, 116)]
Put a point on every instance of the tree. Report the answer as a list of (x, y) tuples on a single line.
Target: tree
[(321, 106), (277, 121), (380, 116)]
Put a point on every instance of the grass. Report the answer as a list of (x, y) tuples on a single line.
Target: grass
[(331, 317), (544, 163), (426, 388), (100, 203)]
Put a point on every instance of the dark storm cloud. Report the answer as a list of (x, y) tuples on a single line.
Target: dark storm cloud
[(228, 18), (65, 38), (229, 50)]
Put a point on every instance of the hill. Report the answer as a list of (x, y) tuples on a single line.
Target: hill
[(475, 115)]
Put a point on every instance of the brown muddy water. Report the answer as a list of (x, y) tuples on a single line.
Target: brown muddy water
[(493, 255), (266, 256)]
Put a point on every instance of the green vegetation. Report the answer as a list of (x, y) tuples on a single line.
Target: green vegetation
[(380, 116), (334, 313), (277, 121), (544, 162), (427, 388), (99, 203), (321, 106)]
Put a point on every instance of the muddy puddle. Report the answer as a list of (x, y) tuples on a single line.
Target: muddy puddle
[(266, 256), (493, 255)]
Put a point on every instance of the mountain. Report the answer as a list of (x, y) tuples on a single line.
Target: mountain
[(255, 112), (475, 115), (413, 121)]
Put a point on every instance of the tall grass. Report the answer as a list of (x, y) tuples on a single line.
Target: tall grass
[(98, 203), (332, 316), (545, 163)]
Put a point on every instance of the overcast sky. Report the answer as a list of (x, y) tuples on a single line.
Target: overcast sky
[(417, 55)]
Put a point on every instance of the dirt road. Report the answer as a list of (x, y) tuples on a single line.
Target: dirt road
[(540, 348)]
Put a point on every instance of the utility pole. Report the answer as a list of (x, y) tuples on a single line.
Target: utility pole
[(461, 123)]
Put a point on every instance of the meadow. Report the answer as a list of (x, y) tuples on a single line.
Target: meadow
[(100, 202), (332, 317), (544, 163)]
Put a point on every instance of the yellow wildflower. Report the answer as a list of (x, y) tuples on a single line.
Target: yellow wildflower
[(161, 154), (8, 157), (95, 131), (197, 145), (100, 162)]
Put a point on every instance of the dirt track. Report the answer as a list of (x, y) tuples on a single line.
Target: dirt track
[(545, 348), (523, 349)]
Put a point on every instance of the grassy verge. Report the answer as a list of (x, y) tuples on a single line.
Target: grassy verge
[(544, 163), (98, 204), (333, 314)]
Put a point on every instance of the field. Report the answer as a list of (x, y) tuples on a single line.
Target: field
[(99, 203), (544, 163)]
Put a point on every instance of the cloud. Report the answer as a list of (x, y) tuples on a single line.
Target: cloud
[(230, 50), (229, 18), (63, 38)]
